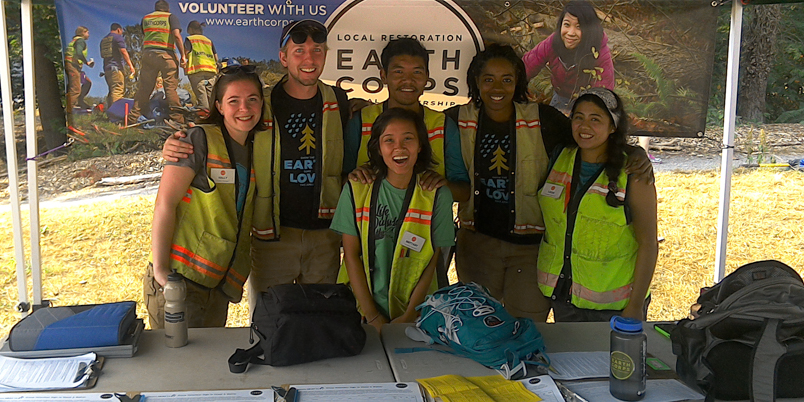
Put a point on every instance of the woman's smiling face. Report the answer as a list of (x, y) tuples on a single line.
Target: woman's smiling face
[(571, 33)]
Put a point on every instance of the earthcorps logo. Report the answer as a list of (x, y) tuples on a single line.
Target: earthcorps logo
[(359, 29)]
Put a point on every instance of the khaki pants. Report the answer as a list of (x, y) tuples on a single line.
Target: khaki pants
[(507, 270), (202, 87), (204, 307), (301, 256), (116, 81), (154, 62), (73, 77)]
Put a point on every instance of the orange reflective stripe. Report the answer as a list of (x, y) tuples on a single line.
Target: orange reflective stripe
[(546, 278), (527, 228), (330, 106), (196, 262), (467, 124), (419, 216), (217, 161), (200, 67), (366, 129), (235, 279), (528, 124), (610, 297), (362, 214), (188, 196), (435, 133)]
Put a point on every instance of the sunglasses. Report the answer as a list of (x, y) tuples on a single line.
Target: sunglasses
[(301, 36), (247, 69)]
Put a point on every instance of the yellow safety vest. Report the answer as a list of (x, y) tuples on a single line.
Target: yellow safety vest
[(69, 54), (435, 132), (156, 29), (211, 243), (603, 244), (201, 57), (408, 265), (529, 173), (267, 163)]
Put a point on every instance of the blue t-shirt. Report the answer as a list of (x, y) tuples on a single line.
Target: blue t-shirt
[(118, 42)]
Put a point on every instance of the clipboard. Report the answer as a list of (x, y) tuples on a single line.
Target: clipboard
[(85, 375)]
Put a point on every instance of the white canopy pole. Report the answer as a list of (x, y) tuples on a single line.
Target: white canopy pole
[(11, 161), (729, 117), (30, 134)]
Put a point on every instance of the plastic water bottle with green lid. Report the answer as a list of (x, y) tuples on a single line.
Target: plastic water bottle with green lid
[(628, 346)]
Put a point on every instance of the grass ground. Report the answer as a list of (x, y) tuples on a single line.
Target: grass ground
[(97, 253)]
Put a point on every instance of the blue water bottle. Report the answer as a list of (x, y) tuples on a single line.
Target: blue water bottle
[(627, 377)]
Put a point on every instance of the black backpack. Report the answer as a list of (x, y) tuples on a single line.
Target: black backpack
[(748, 342)]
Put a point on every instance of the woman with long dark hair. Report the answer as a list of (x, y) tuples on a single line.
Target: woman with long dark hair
[(577, 55), (599, 249)]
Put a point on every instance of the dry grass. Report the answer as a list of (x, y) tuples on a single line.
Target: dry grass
[(97, 253)]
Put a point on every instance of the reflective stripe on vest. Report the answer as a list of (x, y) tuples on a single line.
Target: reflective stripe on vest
[(604, 246), (156, 29), (209, 246), (201, 57), (268, 164), (530, 172), (69, 53), (435, 132), (408, 265)]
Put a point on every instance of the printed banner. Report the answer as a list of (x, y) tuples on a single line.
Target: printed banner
[(657, 55)]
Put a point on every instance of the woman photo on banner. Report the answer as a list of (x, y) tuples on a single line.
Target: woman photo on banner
[(202, 215), (576, 54), (599, 250)]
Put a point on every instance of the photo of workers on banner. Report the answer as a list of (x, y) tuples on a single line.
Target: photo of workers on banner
[(160, 58)]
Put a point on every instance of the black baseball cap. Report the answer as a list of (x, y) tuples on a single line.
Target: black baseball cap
[(300, 30)]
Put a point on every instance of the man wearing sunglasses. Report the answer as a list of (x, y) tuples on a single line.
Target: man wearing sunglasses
[(162, 35), (298, 168)]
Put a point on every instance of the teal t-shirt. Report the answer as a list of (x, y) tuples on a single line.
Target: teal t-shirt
[(389, 207)]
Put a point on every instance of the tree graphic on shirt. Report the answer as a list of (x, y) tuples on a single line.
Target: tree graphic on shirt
[(308, 140), (498, 161)]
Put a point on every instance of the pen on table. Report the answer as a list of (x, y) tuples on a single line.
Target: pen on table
[(663, 332)]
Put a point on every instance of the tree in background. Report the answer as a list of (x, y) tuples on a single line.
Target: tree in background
[(760, 34), (48, 69)]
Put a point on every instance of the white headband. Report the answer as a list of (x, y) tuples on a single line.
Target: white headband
[(607, 96)]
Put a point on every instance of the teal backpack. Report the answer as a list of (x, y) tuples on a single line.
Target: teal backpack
[(473, 324)]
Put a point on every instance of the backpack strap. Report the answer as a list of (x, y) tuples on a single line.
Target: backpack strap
[(763, 368), (239, 360)]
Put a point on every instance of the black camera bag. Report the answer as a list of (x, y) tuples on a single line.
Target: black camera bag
[(302, 323)]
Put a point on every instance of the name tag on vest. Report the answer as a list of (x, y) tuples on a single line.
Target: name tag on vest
[(413, 242), (223, 176), (552, 190)]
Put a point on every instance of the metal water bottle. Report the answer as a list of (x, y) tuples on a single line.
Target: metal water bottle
[(627, 378), (175, 319)]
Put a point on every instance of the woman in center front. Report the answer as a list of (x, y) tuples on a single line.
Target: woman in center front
[(392, 228)]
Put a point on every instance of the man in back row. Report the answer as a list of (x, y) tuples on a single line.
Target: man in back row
[(114, 53), (298, 168), (162, 35)]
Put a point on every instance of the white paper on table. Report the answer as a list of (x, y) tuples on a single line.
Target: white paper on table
[(391, 391), (50, 397), (544, 387), (43, 374), (656, 391), (210, 396), (579, 365)]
